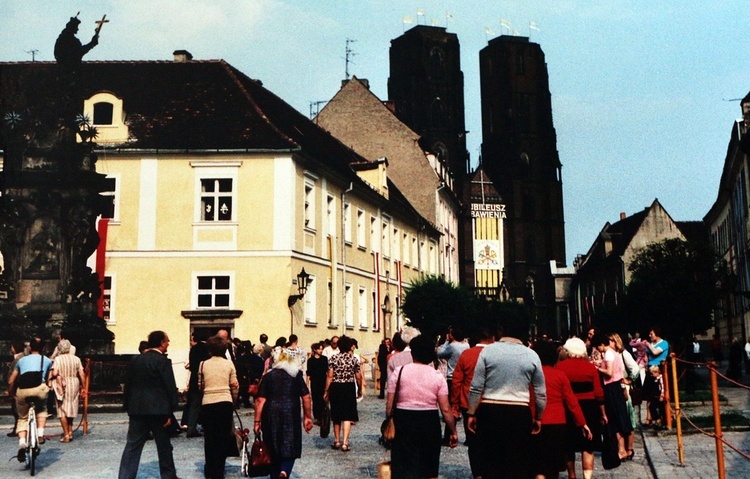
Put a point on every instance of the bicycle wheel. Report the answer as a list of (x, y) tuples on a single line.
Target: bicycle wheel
[(32, 448), (31, 457)]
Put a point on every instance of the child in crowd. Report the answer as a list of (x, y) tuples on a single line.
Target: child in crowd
[(656, 408)]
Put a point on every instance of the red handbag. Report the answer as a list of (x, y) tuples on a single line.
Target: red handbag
[(252, 389), (259, 462)]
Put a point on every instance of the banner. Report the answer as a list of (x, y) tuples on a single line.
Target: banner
[(487, 254)]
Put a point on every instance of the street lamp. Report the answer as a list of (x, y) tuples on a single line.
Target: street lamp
[(303, 279)]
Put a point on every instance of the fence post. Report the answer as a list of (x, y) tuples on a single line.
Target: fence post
[(717, 421), (677, 411), (667, 405), (86, 385)]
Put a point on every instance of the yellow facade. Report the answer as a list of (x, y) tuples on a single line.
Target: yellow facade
[(284, 216)]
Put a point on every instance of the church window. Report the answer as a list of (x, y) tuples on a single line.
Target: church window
[(437, 64)]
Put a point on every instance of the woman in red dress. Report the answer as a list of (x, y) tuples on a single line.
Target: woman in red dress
[(587, 387), (548, 447)]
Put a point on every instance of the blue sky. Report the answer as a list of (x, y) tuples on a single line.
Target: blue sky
[(644, 93)]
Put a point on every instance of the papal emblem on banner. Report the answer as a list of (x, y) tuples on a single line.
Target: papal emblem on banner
[(487, 254)]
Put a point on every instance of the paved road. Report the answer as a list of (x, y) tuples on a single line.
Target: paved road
[(97, 455), (700, 459)]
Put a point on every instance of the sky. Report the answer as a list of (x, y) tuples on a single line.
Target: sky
[(644, 93)]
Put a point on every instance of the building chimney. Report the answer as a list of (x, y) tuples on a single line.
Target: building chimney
[(623, 215), (182, 56)]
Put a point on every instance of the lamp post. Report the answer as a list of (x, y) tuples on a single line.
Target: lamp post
[(303, 281)]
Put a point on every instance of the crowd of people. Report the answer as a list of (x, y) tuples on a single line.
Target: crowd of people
[(527, 407)]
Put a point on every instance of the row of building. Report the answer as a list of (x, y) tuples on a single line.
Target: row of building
[(230, 209)]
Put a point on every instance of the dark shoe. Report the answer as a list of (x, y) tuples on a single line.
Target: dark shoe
[(42, 440), (345, 448), (21, 454), (194, 434), (336, 445), (12, 433), (631, 453)]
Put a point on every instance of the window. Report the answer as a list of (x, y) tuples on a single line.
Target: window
[(107, 309), (349, 304), (112, 208), (311, 314), (395, 246), (309, 205), (386, 238), (362, 307), (348, 223), (374, 234), (375, 318), (361, 229), (103, 113), (213, 291), (407, 249), (216, 199), (414, 252), (331, 216)]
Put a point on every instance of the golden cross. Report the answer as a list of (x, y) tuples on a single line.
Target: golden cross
[(100, 23)]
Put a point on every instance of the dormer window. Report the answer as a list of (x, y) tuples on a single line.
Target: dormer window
[(103, 113)]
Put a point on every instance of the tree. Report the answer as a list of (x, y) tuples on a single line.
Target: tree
[(673, 285), (433, 305)]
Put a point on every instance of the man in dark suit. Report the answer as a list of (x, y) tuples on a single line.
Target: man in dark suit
[(150, 396), (198, 354)]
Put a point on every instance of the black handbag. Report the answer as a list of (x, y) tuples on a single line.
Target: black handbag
[(610, 453), (325, 421)]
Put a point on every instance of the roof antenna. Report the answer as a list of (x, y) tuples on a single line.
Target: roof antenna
[(33, 54), (349, 53), (315, 108)]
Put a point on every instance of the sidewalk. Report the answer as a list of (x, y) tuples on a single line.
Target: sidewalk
[(700, 450)]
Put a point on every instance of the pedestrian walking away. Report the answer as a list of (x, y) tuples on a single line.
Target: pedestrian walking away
[(217, 379), (277, 412), (422, 394), (149, 398), (499, 402)]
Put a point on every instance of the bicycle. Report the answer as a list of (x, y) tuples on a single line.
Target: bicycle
[(32, 439)]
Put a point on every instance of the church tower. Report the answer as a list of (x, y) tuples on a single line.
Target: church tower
[(519, 154), (426, 88)]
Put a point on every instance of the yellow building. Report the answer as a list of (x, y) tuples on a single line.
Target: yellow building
[(224, 195)]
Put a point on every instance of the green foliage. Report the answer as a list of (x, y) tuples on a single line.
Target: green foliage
[(673, 285), (433, 305)]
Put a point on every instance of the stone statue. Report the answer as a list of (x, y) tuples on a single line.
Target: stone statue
[(68, 49)]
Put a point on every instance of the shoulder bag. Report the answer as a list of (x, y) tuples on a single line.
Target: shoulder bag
[(388, 427), (32, 379)]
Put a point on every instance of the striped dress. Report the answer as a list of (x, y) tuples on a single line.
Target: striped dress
[(68, 366)]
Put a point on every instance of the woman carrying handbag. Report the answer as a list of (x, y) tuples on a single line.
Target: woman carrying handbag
[(277, 412)]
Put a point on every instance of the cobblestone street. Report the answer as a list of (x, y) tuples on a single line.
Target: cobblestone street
[(97, 455)]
